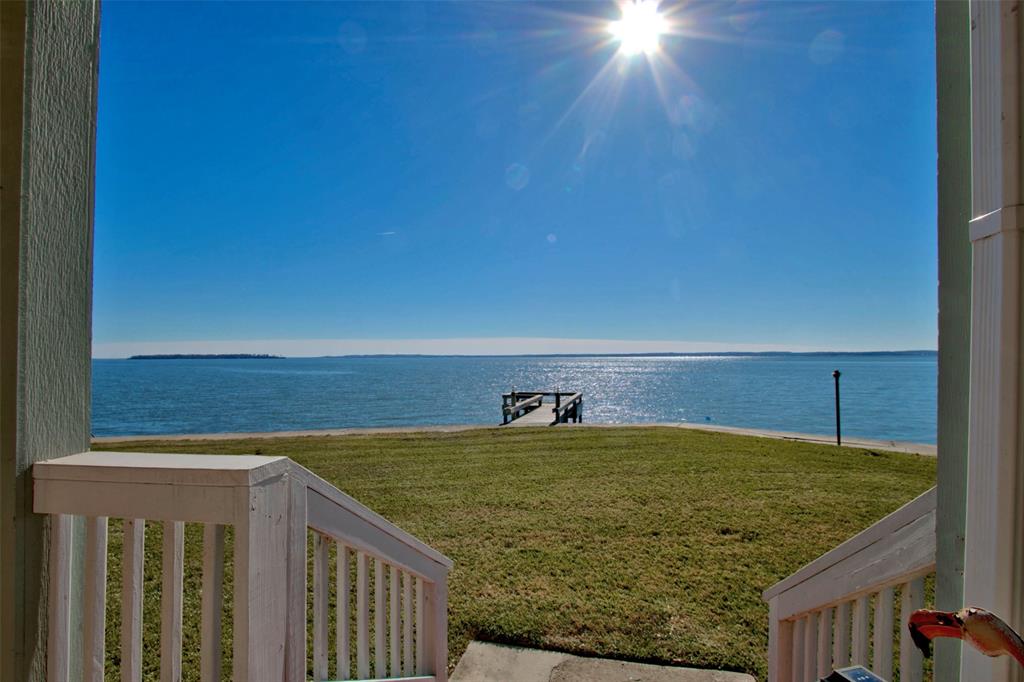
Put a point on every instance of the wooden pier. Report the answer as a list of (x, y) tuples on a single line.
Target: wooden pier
[(539, 408)]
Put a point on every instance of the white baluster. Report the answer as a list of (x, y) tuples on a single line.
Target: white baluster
[(911, 660), (212, 602), (860, 632), (883, 633), (95, 599), (132, 558), (171, 601), (798, 650), (824, 643), (58, 637), (321, 600), (395, 622), (841, 641), (421, 658), (407, 667), (297, 567), (362, 616), (811, 646), (343, 650), (379, 626)]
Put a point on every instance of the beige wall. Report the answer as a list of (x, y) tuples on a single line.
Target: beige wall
[(47, 137)]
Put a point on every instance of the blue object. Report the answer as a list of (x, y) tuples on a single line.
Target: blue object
[(854, 673)]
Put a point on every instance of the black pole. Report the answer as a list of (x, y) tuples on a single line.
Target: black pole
[(839, 437)]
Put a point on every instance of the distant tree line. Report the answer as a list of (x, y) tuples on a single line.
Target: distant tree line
[(207, 356)]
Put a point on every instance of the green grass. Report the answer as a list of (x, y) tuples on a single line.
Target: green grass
[(650, 544)]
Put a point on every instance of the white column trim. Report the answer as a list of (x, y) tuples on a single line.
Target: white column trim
[(993, 564), (1005, 219)]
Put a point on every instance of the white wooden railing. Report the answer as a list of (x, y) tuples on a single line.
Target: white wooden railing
[(819, 616), (272, 504)]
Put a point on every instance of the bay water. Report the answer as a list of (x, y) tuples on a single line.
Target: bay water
[(884, 396)]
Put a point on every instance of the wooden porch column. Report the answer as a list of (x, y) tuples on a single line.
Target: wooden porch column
[(953, 86), (48, 68), (994, 565)]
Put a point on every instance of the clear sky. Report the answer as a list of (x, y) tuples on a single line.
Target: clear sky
[(307, 178)]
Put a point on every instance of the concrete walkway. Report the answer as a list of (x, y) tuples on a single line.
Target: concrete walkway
[(485, 662)]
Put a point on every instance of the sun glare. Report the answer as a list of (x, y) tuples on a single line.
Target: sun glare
[(640, 28)]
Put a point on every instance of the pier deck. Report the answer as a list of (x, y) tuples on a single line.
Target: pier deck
[(542, 416)]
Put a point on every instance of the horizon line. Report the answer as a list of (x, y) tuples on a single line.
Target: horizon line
[(464, 346)]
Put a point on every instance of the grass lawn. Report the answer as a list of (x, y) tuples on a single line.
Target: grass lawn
[(650, 544)]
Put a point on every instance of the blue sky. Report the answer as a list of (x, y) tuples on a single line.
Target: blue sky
[(309, 178)]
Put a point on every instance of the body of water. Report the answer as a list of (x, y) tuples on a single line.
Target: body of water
[(886, 396)]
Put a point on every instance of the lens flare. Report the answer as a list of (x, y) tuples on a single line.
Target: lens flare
[(640, 28)]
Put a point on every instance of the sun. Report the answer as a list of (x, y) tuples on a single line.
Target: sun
[(640, 28)]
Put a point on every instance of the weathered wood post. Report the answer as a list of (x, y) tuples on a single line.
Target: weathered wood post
[(839, 437)]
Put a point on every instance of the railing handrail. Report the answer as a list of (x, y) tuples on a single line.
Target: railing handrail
[(534, 393), (523, 404), (567, 405), (161, 468), (906, 537), (402, 542)]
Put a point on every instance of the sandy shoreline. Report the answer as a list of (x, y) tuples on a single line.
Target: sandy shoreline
[(866, 443)]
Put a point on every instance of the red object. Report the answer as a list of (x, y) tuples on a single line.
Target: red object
[(983, 630)]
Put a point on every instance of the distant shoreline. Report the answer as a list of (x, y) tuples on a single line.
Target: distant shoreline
[(740, 354)]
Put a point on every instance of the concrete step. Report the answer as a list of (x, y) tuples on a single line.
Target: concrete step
[(484, 662)]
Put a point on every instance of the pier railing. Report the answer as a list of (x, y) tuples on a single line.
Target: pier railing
[(514, 405), (568, 407), (268, 507), (568, 410), (819, 616)]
